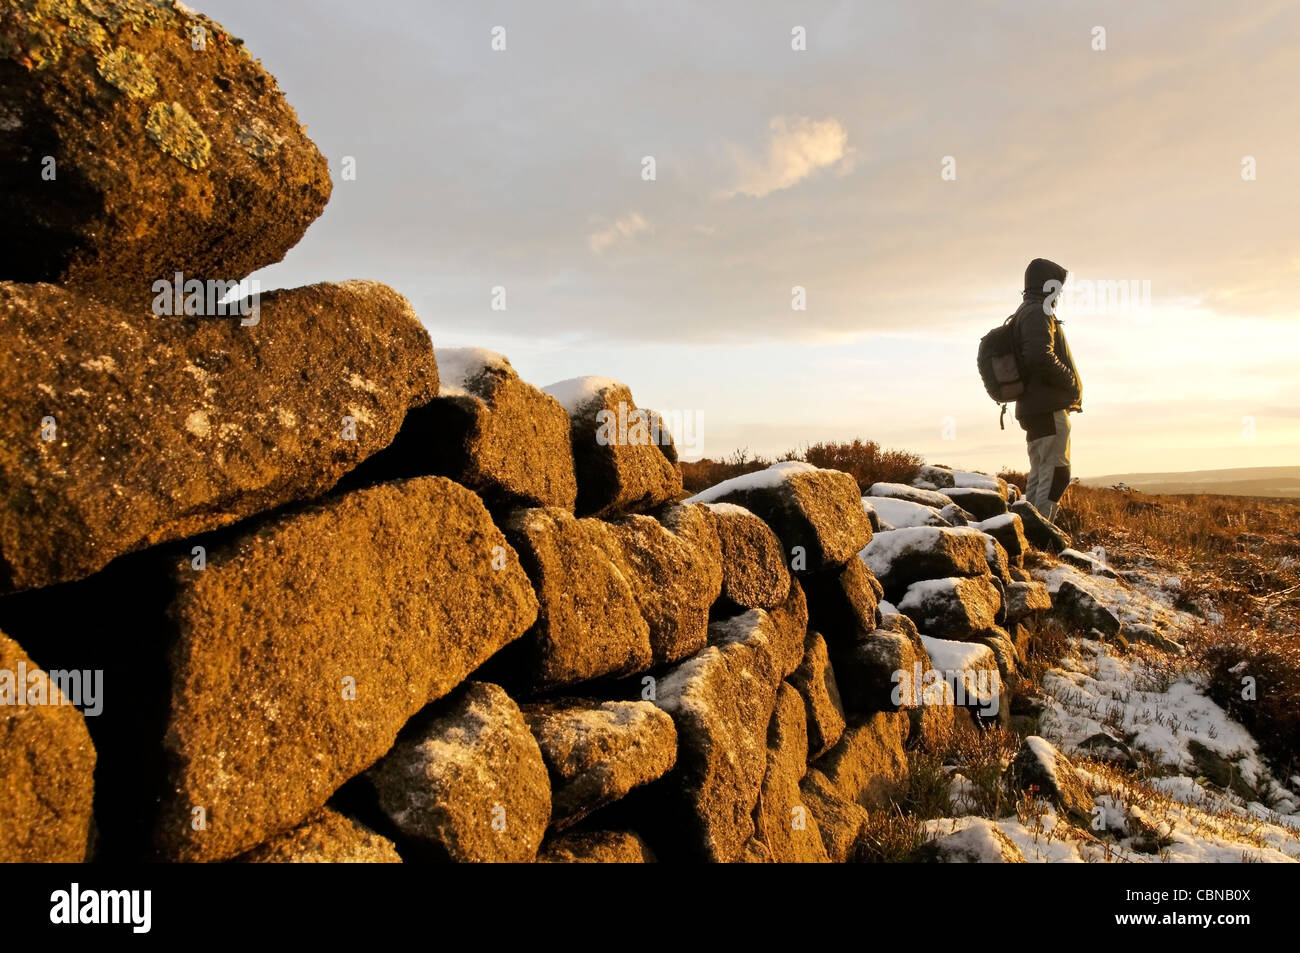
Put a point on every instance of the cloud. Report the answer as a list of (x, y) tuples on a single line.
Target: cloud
[(798, 147), (623, 230)]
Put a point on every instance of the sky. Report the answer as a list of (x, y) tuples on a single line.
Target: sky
[(902, 169)]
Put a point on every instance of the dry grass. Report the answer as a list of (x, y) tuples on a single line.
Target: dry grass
[(1018, 477), (864, 460), (1238, 559), (892, 836), (1255, 675)]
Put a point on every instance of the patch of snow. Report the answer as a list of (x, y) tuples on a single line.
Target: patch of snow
[(954, 656), (774, 475), (885, 547), (576, 392), (903, 491), (457, 366), (729, 509), (903, 513), (1134, 604), (975, 480), (919, 592)]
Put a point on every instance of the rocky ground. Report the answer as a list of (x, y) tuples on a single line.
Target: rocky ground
[(1172, 774)]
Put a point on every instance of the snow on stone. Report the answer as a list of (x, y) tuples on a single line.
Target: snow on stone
[(903, 491), (967, 665), (729, 509), (888, 608), (774, 475), (976, 480), (948, 656), (885, 547), (977, 841), (997, 522), (903, 513), (1139, 601), (576, 392), (918, 592), (457, 366)]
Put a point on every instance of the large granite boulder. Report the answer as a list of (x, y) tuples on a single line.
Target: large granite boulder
[(957, 607), (912, 494), (1041, 532), (980, 503), (840, 819), (1009, 530), (120, 429), (1025, 598), (817, 514), (309, 640), (782, 822), (899, 514), (597, 752), (588, 622), (754, 572), (487, 429), (868, 764), (905, 556), (676, 573), (814, 679), (1040, 768), (173, 150), (721, 701), (624, 458), (467, 782), (1080, 609), (47, 765), (876, 668), (841, 601)]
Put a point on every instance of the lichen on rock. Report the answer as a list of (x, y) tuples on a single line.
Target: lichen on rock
[(127, 71), (173, 130)]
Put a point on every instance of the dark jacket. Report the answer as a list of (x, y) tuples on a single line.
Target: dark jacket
[(1052, 381)]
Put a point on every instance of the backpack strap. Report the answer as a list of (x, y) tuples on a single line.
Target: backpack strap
[(1002, 418)]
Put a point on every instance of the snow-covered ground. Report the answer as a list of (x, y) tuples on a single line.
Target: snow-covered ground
[(1157, 706)]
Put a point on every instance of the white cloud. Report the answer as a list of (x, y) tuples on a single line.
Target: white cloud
[(623, 230), (797, 148)]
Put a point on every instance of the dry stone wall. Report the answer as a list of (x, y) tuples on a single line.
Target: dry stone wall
[(325, 593)]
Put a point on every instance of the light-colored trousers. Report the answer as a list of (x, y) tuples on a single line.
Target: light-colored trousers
[(1049, 467)]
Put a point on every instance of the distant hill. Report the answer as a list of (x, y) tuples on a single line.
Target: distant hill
[(1242, 481)]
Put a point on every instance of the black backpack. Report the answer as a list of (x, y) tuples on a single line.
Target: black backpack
[(999, 364)]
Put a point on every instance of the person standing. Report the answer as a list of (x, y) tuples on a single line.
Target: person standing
[(1053, 388)]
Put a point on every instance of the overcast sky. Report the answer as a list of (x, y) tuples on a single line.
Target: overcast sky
[(823, 169)]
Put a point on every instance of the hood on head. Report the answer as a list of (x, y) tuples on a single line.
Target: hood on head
[(1039, 273)]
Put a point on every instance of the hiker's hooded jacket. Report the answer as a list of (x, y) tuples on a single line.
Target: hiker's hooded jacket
[(1052, 381)]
